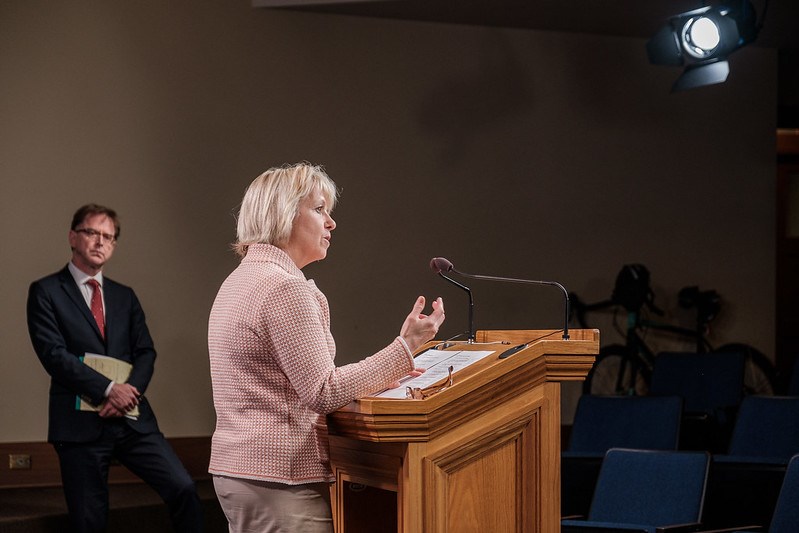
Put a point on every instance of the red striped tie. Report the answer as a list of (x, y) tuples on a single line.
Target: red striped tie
[(97, 306)]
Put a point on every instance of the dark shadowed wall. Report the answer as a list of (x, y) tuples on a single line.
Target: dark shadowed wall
[(510, 152)]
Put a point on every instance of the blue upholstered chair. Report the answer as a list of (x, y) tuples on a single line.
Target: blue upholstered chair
[(785, 518), (745, 482), (604, 422), (711, 386), (786, 513), (641, 422), (766, 429), (647, 491)]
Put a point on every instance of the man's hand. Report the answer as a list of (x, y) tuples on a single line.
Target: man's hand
[(123, 397), (109, 411)]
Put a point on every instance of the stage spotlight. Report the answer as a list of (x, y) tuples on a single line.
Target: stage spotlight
[(701, 40)]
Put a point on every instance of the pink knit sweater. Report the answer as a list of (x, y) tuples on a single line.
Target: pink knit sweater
[(273, 374)]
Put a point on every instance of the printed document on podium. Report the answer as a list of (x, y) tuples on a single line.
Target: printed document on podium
[(436, 363)]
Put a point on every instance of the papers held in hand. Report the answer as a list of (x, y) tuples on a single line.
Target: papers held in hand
[(116, 370)]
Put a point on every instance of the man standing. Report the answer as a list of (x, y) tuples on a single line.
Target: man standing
[(77, 313)]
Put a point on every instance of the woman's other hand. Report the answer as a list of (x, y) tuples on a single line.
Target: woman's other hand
[(415, 373)]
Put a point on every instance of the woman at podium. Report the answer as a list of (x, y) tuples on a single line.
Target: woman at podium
[(272, 359)]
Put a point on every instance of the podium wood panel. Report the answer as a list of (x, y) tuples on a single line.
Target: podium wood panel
[(482, 455)]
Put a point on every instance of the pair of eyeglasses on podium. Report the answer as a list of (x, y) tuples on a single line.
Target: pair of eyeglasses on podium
[(417, 393)]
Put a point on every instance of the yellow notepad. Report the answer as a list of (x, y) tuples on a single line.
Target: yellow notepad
[(116, 370)]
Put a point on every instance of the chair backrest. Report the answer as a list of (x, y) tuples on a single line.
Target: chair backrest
[(706, 382), (767, 427), (642, 422), (650, 487), (786, 512)]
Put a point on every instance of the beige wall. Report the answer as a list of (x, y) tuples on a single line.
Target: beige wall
[(510, 152)]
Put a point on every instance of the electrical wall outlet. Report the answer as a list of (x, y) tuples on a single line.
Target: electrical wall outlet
[(19, 461)]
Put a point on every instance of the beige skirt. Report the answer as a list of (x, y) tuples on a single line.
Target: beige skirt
[(260, 506)]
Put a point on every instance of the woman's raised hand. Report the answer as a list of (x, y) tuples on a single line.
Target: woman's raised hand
[(419, 328)]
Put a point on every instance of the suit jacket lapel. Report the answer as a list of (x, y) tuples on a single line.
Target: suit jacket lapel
[(111, 308)]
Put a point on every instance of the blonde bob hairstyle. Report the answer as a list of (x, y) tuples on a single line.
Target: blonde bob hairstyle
[(271, 202)]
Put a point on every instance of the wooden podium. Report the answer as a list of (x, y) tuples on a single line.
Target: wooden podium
[(480, 456)]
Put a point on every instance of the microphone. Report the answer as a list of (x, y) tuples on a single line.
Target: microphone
[(439, 265), (438, 268)]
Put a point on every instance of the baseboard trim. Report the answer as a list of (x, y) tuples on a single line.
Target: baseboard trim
[(195, 453)]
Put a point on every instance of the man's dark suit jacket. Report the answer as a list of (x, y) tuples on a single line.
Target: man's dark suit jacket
[(62, 330)]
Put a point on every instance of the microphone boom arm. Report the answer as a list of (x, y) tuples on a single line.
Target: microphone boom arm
[(525, 281)]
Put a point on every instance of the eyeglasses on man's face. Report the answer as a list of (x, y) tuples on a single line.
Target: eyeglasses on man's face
[(93, 234)]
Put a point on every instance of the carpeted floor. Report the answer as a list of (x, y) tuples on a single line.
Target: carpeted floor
[(135, 507)]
